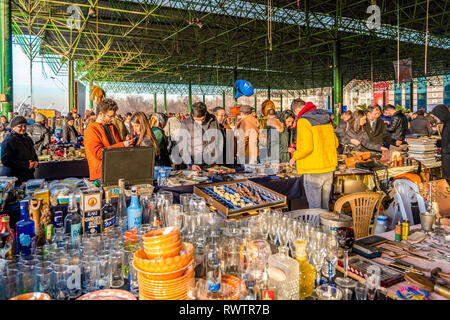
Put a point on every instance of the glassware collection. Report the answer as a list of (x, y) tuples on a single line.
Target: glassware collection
[(157, 249)]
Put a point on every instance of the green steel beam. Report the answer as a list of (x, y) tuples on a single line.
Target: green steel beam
[(190, 99), (91, 102), (337, 82), (281, 102), (165, 101), (155, 103), (71, 85), (6, 66)]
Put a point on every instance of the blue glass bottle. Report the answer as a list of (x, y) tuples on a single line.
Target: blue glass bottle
[(25, 234), (134, 211)]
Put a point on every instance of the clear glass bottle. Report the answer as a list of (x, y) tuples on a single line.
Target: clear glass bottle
[(50, 244), (266, 288), (25, 234), (7, 243), (121, 211), (134, 211), (108, 213), (283, 274), (307, 272), (72, 222)]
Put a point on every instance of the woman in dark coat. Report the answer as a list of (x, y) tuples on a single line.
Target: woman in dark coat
[(19, 158), (356, 137), (442, 112)]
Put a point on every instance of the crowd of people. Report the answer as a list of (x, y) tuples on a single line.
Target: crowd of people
[(304, 135)]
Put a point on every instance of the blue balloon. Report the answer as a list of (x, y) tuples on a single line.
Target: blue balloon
[(243, 88)]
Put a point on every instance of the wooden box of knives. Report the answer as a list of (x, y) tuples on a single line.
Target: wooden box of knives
[(358, 269)]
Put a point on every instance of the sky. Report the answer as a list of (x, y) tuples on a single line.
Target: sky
[(47, 93)]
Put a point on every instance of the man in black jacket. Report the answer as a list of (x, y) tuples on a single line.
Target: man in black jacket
[(69, 133), (193, 144), (420, 125), (442, 112), (19, 158), (40, 134), (376, 129), (399, 123)]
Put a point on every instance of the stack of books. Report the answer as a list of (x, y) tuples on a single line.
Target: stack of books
[(422, 149)]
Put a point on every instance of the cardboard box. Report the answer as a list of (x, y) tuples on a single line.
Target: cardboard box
[(91, 209)]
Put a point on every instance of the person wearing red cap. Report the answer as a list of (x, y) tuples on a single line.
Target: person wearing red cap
[(316, 153)]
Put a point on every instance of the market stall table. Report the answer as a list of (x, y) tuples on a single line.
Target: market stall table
[(292, 188), (422, 264), (366, 176)]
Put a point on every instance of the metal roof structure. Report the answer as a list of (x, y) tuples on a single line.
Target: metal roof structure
[(148, 45)]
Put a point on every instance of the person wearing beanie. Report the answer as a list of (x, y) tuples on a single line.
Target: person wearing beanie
[(19, 158), (69, 132), (442, 112), (40, 134), (316, 153)]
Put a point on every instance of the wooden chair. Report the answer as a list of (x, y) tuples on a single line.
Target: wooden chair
[(362, 205)]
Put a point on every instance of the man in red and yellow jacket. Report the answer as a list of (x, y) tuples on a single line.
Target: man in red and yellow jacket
[(315, 154), (102, 134)]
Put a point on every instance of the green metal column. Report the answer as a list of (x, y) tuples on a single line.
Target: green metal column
[(281, 102), (411, 96), (204, 99), (91, 102), (256, 102), (165, 101), (190, 98), (155, 104), (6, 66), (71, 85), (337, 82), (223, 99), (234, 87), (268, 92)]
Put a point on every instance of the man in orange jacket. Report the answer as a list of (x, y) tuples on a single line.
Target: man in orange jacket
[(102, 134)]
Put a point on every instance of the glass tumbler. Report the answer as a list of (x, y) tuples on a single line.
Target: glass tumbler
[(116, 259)]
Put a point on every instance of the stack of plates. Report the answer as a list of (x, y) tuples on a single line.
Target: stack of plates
[(164, 265)]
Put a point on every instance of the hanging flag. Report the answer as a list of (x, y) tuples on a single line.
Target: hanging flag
[(405, 66)]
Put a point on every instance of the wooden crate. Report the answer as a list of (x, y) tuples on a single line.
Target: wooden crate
[(233, 212)]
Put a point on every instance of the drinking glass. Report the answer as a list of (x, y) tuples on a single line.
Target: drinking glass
[(361, 291), (27, 279), (264, 223), (74, 274), (116, 259), (329, 292), (176, 217), (318, 257), (60, 290), (91, 273), (13, 283), (274, 221), (105, 270), (133, 285), (163, 200), (331, 256), (185, 200), (346, 238)]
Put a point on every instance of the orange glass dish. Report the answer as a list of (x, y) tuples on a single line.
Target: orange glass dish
[(162, 235), (164, 264), (32, 296), (171, 250)]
